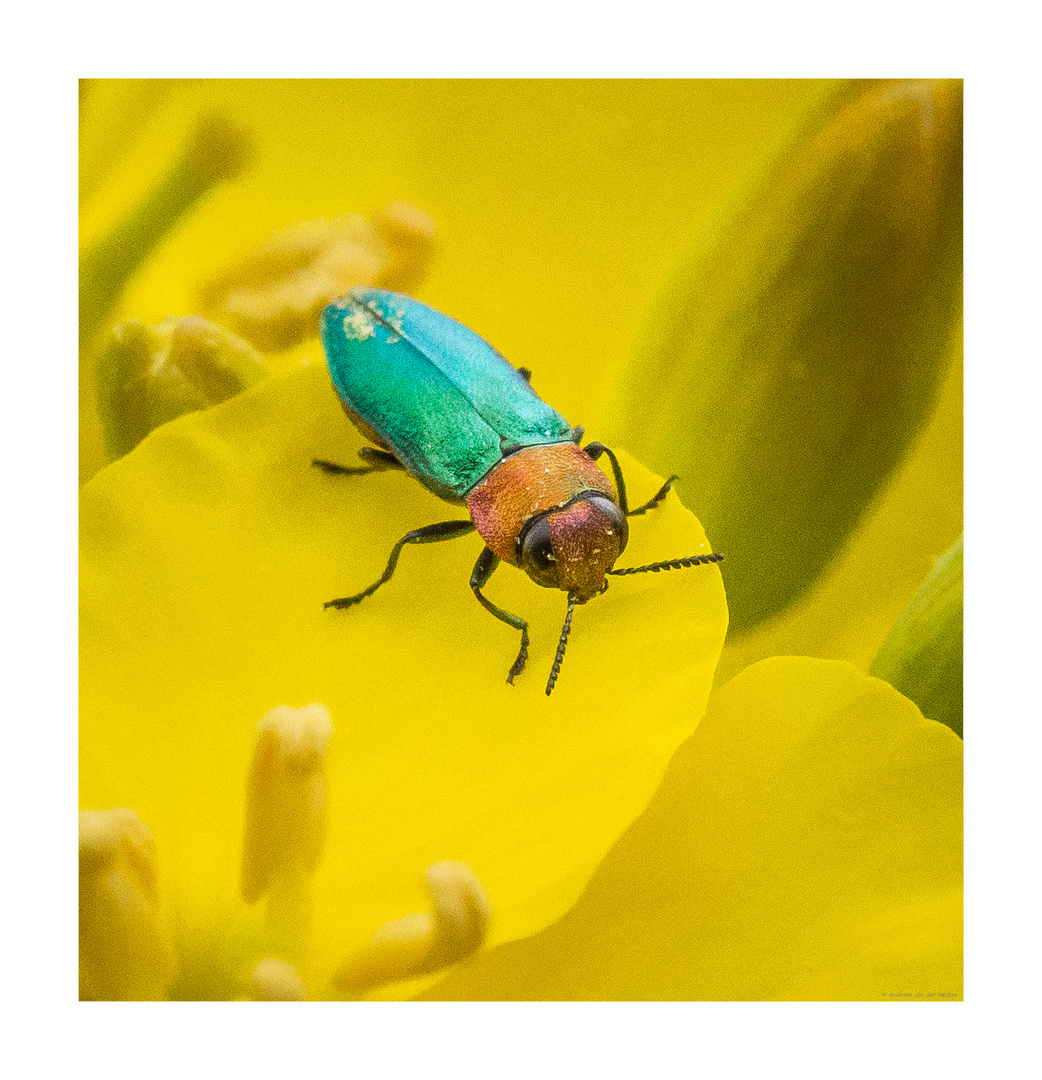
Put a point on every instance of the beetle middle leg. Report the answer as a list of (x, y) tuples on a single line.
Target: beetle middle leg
[(429, 534), (487, 562), (595, 449), (379, 461)]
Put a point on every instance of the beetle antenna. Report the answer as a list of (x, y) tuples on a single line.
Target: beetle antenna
[(670, 564), (561, 645)]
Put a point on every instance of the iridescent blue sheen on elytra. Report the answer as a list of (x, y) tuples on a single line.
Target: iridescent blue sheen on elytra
[(443, 400)]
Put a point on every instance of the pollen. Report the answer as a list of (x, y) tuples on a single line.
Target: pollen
[(358, 326)]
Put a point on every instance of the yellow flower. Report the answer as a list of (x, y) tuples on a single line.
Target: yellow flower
[(342, 800), (560, 203)]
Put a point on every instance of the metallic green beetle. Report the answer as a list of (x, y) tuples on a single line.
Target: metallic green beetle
[(438, 401)]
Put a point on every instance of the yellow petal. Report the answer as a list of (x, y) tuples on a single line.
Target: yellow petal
[(805, 844), (208, 552)]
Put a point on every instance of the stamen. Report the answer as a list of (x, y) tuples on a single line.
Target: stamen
[(217, 150), (461, 909), (275, 980), (273, 297), (420, 944), (408, 233), (285, 799), (125, 952), (148, 375)]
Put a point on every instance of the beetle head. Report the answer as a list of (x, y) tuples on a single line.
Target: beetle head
[(574, 547)]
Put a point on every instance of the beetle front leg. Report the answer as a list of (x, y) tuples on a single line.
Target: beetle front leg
[(595, 449), (429, 534), (487, 562)]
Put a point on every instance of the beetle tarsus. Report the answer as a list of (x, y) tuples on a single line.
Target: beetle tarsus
[(522, 658), (348, 601), (595, 449), (653, 502), (380, 460)]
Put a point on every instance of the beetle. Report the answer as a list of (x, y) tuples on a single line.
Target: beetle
[(438, 401)]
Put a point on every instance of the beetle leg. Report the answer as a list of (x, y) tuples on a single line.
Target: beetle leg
[(487, 562), (595, 449), (656, 498), (381, 460), (429, 534)]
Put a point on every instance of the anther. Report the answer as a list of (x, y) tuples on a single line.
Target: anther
[(273, 296), (286, 798), (149, 375), (420, 944), (275, 980), (125, 953)]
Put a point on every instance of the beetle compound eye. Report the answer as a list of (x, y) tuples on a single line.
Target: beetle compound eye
[(616, 519), (537, 553)]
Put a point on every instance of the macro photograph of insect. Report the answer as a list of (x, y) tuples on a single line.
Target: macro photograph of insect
[(520, 540)]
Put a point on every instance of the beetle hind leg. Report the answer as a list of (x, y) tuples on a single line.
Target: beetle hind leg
[(380, 460)]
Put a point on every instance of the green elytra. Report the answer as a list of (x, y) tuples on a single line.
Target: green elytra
[(446, 403), (448, 408)]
